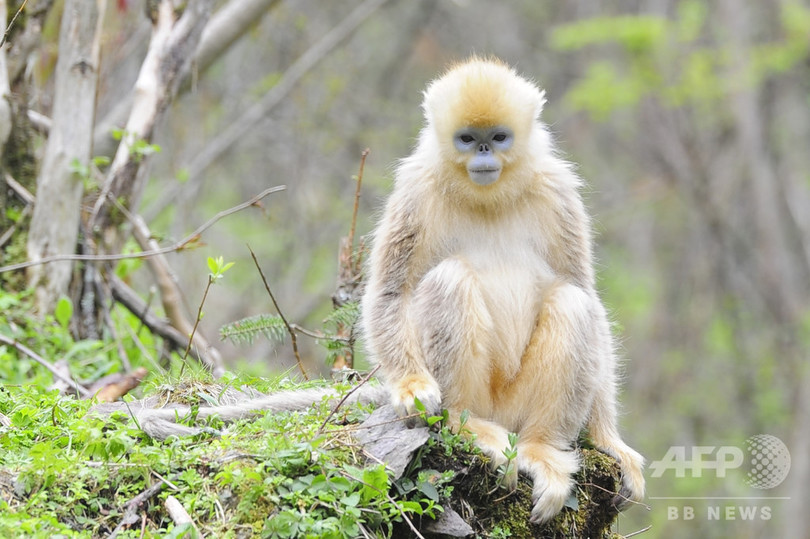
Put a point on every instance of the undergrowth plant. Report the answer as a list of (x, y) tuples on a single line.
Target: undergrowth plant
[(273, 328), (65, 471)]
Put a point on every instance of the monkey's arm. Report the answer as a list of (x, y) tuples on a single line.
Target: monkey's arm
[(390, 337), (163, 422)]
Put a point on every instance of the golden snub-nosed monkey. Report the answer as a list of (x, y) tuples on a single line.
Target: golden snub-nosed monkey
[(481, 285)]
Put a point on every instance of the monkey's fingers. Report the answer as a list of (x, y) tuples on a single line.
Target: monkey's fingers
[(416, 387)]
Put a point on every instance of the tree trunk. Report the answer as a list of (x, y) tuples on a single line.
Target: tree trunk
[(5, 88), (55, 223)]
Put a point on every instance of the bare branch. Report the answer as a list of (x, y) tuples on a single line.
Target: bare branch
[(357, 196), (11, 24), (224, 28), (171, 48), (172, 298), (5, 86), (177, 246), (21, 192), (290, 330), (347, 395)]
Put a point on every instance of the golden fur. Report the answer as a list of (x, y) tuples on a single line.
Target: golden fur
[(482, 298)]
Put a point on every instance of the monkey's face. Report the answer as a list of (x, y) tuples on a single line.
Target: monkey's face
[(482, 124), (482, 148)]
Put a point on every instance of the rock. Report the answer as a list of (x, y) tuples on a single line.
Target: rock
[(386, 439)]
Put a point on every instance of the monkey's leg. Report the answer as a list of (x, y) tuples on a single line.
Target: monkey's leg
[(453, 325), (605, 435), (554, 389), (490, 438)]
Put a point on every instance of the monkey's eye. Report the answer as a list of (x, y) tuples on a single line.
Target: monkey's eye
[(499, 137), (466, 139)]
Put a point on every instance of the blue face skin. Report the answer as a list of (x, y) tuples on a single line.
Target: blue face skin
[(482, 144)]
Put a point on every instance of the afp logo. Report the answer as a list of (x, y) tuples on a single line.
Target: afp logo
[(766, 459)]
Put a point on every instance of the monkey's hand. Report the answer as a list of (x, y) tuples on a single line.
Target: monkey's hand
[(422, 387)]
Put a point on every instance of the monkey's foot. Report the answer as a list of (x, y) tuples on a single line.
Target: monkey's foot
[(632, 464), (551, 470), (492, 439), (421, 387)]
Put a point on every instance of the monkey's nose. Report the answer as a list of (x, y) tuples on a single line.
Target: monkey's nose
[(484, 148)]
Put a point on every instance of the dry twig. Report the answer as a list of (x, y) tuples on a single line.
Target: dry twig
[(347, 395), (639, 532), (290, 330), (349, 274), (357, 196), (131, 513), (11, 24)]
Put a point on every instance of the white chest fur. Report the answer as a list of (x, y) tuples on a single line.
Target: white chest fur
[(508, 260)]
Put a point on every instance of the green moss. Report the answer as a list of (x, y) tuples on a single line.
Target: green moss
[(497, 513)]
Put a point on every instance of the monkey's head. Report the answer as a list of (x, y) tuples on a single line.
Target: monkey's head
[(481, 116)]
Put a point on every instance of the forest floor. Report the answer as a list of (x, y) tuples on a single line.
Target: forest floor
[(67, 470)]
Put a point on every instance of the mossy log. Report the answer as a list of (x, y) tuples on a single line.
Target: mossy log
[(477, 506)]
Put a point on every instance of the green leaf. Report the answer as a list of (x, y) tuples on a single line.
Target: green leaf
[(63, 311), (427, 488), (101, 160)]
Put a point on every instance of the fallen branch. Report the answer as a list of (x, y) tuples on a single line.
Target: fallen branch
[(179, 514), (131, 512), (83, 391), (130, 299), (113, 387)]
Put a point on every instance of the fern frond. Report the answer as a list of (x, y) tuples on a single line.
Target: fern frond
[(346, 315), (245, 330)]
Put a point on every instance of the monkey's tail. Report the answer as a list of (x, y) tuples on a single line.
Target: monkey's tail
[(161, 423)]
